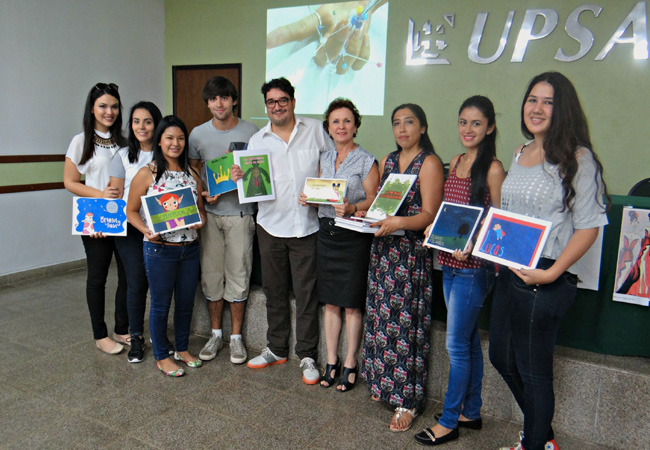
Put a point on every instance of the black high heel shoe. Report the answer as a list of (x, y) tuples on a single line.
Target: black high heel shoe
[(344, 382), (327, 376)]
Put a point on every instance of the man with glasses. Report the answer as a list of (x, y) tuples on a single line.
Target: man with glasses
[(227, 237), (287, 231)]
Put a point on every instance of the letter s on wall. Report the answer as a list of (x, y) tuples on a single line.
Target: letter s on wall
[(578, 32)]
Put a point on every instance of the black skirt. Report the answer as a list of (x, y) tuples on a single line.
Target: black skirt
[(342, 265)]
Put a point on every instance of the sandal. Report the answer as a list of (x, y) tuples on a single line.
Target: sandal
[(399, 413), (327, 376), (344, 382)]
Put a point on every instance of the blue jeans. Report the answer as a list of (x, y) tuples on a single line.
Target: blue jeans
[(465, 290), (129, 248), (523, 329), (171, 270), (99, 253)]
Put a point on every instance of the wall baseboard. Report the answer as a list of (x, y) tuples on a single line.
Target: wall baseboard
[(39, 272)]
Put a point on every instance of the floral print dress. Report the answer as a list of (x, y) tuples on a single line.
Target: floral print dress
[(396, 343)]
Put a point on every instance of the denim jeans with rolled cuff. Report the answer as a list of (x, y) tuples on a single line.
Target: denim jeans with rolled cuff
[(171, 271)]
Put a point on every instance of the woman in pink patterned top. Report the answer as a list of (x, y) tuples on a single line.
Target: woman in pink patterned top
[(475, 179)]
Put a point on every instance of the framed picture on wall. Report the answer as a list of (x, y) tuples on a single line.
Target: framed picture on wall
[(511, 239)]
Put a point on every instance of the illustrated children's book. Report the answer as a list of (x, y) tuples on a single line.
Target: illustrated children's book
[(257, 182), (326, 191), (632, 283), (391, 196), (453, 227), (360, 225), (216, 172), (387, 203), (171, 210), (217, 175), (511, 239), (98, 215)]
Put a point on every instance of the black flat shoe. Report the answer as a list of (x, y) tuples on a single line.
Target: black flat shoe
[(426, 437), (328, 377), (344, 382), (475, 424)]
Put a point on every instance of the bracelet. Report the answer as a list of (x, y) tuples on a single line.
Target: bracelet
[(355, 208)]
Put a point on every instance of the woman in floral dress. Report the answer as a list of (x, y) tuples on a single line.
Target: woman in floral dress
[(398, 302)]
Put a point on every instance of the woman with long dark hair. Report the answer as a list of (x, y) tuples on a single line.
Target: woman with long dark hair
[(475, 179), (143, 120), (555, 176), (398, 301), (90, 154), (171, 258)]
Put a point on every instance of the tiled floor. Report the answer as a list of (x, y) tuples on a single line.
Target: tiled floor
[(58, 391)]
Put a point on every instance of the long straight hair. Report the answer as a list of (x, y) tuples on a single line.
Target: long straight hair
[(487, 149), (425, 141), (158, 157), (134, 144), (89, 120), (567, 132)]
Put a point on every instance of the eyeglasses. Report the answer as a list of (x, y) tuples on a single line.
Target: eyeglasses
[(270, 103), (103, 86)]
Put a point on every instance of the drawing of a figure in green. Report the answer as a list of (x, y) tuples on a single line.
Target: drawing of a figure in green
[(256, 185)]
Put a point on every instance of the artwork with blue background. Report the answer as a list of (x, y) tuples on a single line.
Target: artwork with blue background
[(511, 241), (217, 175), (98, 215), (171, 210), (453, 227)]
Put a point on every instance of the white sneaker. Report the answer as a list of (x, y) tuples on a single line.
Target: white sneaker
[(267, 358), (310, 373), (238, 353), (211, 348)]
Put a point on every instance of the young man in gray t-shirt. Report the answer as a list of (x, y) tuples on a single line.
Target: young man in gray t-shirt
[(227, 237)]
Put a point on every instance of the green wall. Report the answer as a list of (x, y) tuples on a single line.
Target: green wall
[(614, 91)]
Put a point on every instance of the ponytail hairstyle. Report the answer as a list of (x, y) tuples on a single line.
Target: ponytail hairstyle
[(158, 157), (567, 132), (89, 120), (134, 144), (487, 149)]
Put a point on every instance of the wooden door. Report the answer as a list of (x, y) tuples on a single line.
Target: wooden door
[(188, 81)]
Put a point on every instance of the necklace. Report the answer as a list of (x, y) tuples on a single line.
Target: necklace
[(103, 142), (340, 160)]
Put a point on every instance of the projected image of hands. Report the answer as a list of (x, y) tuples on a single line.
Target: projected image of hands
[(329, 51)]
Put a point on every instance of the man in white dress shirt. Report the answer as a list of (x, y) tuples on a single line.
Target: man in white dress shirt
[(287, 231)]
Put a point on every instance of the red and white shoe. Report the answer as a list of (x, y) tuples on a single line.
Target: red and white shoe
[(550, 445), (516, 446)]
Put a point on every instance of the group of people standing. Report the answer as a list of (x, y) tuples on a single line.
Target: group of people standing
[(555, 176)]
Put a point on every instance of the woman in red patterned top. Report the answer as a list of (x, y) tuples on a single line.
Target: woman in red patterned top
[(475, 179)]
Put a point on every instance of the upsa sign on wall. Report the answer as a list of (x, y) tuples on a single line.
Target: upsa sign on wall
[(423, 48)]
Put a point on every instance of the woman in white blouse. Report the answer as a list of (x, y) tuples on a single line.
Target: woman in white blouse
[(90, 155)]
